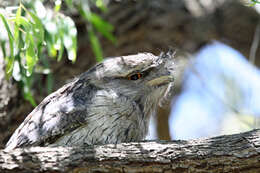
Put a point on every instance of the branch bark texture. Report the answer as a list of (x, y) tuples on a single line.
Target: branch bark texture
[(144, 26), (231, 153)]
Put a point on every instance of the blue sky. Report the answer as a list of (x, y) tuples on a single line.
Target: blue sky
[(221, 95), (220, 84)]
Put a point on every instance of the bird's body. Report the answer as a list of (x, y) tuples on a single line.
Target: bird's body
[(110, 103)]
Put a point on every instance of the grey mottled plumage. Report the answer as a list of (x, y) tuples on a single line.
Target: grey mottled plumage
[(110, 103)]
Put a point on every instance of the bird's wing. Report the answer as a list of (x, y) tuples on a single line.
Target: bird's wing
[(111, 117), (74, 106), (55, 115)]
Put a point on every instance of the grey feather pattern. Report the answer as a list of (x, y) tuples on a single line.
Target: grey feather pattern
[(100, 106)]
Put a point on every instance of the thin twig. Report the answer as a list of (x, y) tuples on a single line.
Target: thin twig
[(255, 44)]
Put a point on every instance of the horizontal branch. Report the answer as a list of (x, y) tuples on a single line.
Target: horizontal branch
[(239, 153)]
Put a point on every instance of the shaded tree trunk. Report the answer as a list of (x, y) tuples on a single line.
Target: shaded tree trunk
[(232, 153), (151, 26)]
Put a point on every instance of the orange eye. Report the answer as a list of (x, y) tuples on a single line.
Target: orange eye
[(135, 76)]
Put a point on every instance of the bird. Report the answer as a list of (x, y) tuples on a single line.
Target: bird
[(110, 103)]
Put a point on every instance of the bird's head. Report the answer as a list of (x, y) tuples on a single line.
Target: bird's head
[(143, 78)]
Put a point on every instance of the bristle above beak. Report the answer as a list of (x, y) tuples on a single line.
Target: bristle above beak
[(170, 54), (161, 80)]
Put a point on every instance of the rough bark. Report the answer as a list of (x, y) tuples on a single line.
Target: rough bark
[(151, 26), (232, 153)]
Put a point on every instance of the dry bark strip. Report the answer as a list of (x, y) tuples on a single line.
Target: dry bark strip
[(142, 26), (230, 153)]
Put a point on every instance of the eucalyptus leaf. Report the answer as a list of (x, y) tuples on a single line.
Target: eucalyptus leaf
[(38, 27), (9, 60), (31, 56), (70, 38), (95, 45), (29, 97)]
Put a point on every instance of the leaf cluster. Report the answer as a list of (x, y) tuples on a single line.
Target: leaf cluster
[(254, 2), (32, 33)]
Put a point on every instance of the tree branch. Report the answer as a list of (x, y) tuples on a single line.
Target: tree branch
[(231, 153)]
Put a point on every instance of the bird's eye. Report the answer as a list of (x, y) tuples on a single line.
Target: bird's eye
[(135, 76)]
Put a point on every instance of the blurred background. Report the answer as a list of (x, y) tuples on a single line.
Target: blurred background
[(217, 81)]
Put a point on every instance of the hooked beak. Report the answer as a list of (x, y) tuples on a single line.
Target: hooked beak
[(161, 80)]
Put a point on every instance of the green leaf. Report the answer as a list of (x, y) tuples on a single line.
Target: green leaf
[(26, 85), (100, 4), (31, 56), (69, 38), (18, 12), (50, 41), (95, 45), (17, 36), (28, 96), (60, 40), (49, 83), (9, 66), (57, 5), (24, 22), (20, 20), (61, 50), (84, 12), (10, 35), (87, 15), (20, 24), (38, 27), (3, 48), (52, 51), (103, 27), (10, 60)]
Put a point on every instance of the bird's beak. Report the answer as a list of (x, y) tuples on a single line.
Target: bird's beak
[(160, 80)]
